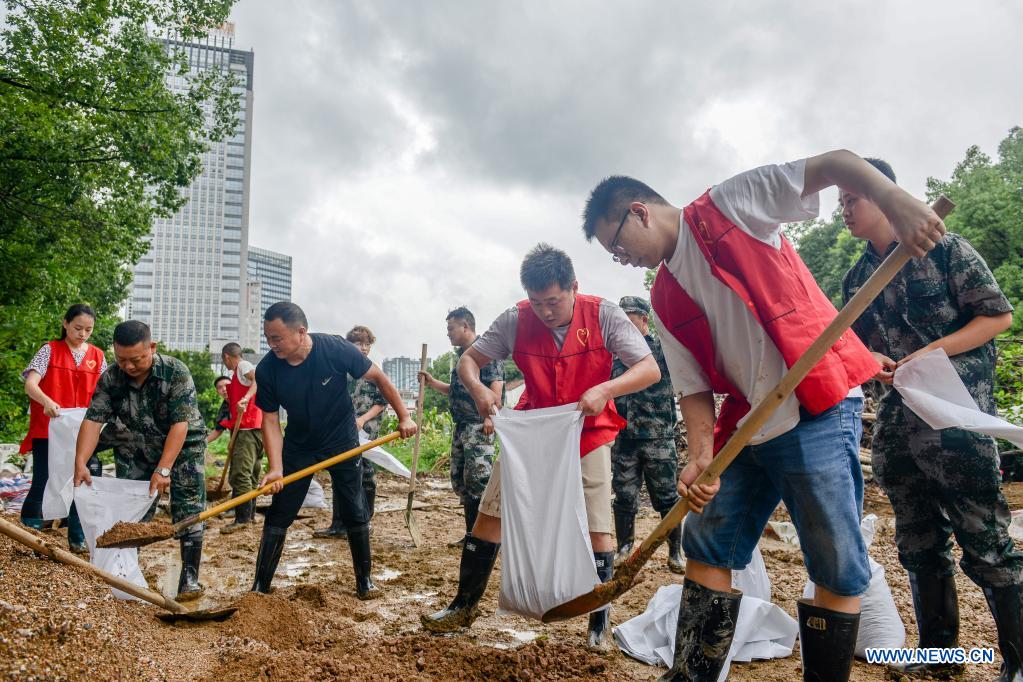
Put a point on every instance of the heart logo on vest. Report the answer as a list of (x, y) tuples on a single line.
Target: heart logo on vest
[(583, 335), (91, 364)]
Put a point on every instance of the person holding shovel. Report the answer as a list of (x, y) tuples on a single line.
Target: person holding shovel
[(939, 482), (62, 374), (307, 375), (472, 442), (247, 454), (563, 342), (148, 403), (737, 307)]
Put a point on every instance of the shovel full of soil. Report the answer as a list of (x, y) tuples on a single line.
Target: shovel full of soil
[(139, 534)]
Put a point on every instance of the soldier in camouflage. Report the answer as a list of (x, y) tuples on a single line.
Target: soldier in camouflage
[(369, 405), (148, 403), (645, 449), (939, 482), (472, 443)]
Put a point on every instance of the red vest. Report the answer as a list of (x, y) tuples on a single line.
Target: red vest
[(66, 384), (557, 377), (252, 418), (783, 296)]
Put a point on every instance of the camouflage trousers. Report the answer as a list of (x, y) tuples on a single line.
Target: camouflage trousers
[(654, 460), (940, 483), (188, 480), (472, 460)]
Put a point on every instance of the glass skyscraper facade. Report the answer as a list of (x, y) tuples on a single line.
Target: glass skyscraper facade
[(269, 281)]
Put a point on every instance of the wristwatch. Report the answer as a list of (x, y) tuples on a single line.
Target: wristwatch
[(163, 471)]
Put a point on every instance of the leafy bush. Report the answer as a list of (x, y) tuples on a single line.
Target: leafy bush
[(434, 444)]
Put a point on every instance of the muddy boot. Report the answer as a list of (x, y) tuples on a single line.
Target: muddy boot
[(827, 642), (703, 636), (472, 510), (191, 554), (599, 619), (675, 563), (75, 534), (625, 534), (478, 557), (270, 547), (362, 562), (336, 528), (1006, 604), (937, 618), (242, 517)]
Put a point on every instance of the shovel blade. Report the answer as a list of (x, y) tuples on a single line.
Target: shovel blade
[(198, 616), (410, 521), (599, 596), (124, 535)]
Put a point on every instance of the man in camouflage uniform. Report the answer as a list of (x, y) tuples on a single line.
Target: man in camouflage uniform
[(148, 403), (472, 443), (645, 449), (947, 481), (369, 405)]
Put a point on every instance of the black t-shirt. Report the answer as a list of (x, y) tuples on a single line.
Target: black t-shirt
[(321, 420)]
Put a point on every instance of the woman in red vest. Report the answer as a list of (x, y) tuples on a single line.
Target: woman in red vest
[(63, 374)]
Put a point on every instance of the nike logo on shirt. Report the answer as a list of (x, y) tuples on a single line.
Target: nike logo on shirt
[(326, 381)]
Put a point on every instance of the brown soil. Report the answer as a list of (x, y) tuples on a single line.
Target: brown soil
[(141, 533), (313, 627)]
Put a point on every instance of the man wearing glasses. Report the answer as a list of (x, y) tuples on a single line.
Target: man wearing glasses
[(737, 307)]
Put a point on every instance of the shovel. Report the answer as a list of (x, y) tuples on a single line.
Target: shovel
[(410, 521), (139, 534), (219, 492), (625, 576), (177, 611)]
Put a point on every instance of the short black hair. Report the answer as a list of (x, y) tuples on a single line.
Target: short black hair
[(545, 266), (132, 332), (287, 312), (221, 378), (464, 314), (232, 349), (73, 312), (610, 199), (882, 166)]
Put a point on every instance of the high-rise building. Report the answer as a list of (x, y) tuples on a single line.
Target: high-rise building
[(403, 372), (190, 286), (269, 282)]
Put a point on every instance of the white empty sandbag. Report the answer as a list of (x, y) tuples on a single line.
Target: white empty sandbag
[(59, 491)]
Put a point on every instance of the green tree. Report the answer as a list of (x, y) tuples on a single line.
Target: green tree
[(203, 376), (93, 147), (439, 369)]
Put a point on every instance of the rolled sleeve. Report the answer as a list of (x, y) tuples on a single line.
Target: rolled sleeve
[(972, 283), (687, 377)]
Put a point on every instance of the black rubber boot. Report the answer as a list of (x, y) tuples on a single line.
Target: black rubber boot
[(336, 528), (478, 557), (191, 555), (675, 563), (472, 510), (270, 547), (362, 562), (604, 562), (75, 534), (827, 642), (33, 523), (371, 499), (625, 534), (936, 604), (1006, 604), (242, 517), (703, 636)]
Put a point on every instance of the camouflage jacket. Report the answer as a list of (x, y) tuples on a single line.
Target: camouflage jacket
[(366, 394), (650, 413), (928, 299), (463, 407), (138, 418)]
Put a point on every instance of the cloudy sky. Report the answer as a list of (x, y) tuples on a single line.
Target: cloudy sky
[(408, 154)]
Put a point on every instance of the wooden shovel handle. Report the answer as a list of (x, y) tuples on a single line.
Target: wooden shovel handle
[(419, 424), (230, 450), (763, 411), (19, 534)]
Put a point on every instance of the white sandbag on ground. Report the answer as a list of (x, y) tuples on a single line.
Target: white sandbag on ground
[(383, 458), (315, 497), (59, 491), (547, 556), (762, 630), (880, 623), (100, 506)]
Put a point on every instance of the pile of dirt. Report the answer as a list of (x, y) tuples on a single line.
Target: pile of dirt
[(270, 618), (122, 532)]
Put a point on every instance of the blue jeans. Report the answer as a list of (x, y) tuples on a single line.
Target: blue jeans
[(815, 469)]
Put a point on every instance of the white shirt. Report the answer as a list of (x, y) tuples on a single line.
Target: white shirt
[(244, 367), (758, 202)]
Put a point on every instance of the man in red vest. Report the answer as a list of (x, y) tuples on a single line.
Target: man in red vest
[(563, 342), (737, 307), (247, 457)]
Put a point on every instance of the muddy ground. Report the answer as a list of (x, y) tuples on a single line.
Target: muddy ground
[(56, 623)]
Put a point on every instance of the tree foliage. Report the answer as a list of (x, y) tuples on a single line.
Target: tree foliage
[(203, 376), (93, 146)]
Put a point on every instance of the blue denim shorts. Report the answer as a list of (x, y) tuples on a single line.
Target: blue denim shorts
[(815, 469)]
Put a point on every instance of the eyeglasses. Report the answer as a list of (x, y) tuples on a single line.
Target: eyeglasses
[(617, 252)]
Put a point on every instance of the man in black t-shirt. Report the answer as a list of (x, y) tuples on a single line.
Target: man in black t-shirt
[(307, 375)]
